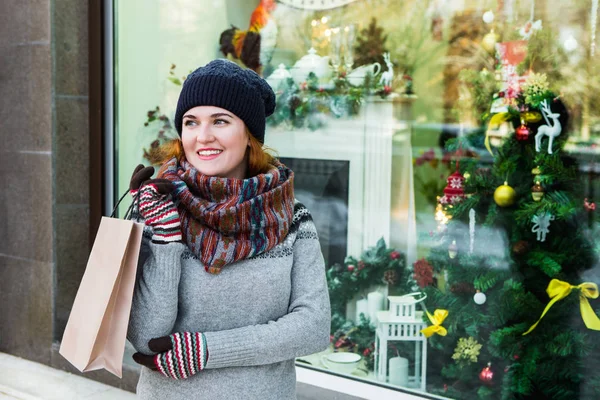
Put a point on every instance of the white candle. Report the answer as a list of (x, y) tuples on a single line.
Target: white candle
[(399, 371), (362, 307), (375, 300)]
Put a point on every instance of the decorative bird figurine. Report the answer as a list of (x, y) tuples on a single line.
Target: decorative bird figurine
[(255, 46)]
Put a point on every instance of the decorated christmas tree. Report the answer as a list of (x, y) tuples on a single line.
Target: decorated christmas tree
[(517, 254), (370, 45)]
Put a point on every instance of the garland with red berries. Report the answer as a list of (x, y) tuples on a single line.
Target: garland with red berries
[(377, 265)]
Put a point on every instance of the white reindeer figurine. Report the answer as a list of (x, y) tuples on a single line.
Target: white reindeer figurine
[(550, 130), (387, 76)]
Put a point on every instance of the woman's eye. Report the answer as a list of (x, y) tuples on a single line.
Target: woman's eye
[(189, 122), (220, 122)]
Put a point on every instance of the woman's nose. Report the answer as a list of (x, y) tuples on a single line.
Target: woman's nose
[(204, 134)]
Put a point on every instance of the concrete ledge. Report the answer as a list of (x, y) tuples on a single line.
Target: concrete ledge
[(27, 380)]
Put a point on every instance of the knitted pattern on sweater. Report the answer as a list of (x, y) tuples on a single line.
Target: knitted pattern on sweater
[(257, 316), (226, 220)]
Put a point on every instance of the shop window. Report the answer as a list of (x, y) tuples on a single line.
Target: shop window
[(449, 151)]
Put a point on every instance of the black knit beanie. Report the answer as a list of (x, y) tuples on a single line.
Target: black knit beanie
[(222, 83)]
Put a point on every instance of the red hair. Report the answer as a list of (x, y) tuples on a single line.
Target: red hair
[(260, 158)]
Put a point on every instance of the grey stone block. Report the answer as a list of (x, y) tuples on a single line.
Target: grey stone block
[(24, 21), (72, 251), (71, 46), (26, 308), (25, 98), (26, 212), (72, 151)]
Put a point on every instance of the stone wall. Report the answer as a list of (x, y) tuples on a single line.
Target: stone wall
[(27, 155)]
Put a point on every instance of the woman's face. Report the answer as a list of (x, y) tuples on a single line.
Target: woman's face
[(215, 142)]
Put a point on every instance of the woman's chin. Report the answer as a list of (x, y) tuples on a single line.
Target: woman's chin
[(205, 168)]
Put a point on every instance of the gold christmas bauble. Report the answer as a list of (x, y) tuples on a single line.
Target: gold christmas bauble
[(489, 42), (505, 195)]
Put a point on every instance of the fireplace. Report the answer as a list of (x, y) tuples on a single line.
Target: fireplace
[(322, 186), (345, 176)]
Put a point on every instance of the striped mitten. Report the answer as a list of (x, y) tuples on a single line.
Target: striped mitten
[(187, 357), (160, 213)]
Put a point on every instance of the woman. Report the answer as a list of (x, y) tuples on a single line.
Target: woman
[(232, 283)]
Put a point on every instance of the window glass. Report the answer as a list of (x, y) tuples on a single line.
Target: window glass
[(448, 151)]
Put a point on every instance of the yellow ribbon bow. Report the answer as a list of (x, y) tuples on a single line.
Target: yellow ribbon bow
[(497, 119), (436, 319), (558, 290)]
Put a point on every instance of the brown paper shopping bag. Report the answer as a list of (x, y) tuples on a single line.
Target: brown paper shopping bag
[(95, 334)]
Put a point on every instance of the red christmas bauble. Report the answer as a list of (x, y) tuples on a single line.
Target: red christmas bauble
[(487, 375), (454, 191), (350, 267), (522, 133)]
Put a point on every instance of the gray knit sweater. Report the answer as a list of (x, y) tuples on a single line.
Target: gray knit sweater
[(257, 316)]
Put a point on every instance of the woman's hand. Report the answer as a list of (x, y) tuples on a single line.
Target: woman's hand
[(180, 355), (155, 204)]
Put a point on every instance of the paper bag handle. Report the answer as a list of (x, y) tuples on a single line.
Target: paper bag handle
[(129, 212)]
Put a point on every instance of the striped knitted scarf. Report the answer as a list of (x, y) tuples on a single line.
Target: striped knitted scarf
[(225, 220)]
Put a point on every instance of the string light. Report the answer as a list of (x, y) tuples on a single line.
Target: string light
[(441, 217)]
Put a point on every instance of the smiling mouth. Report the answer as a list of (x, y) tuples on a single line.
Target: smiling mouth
[(209, 153)]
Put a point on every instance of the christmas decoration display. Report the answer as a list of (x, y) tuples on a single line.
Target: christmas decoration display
[(467, 350), (530, 27), (505, 195), (370, 45), (487, 375), (454, 191), (552, 129), (472, 214), (489, 41), (428, 168), (403, 325), (309, 96), (452, 249), (436, 327), (377, 266), (494, 292), (357, 338), (537, 191), (388, 76), (522, 133), (479, 298), (558, 290), (541, 225), (423, 273)]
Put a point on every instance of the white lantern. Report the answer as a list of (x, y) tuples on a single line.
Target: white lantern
[(401, 324)]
